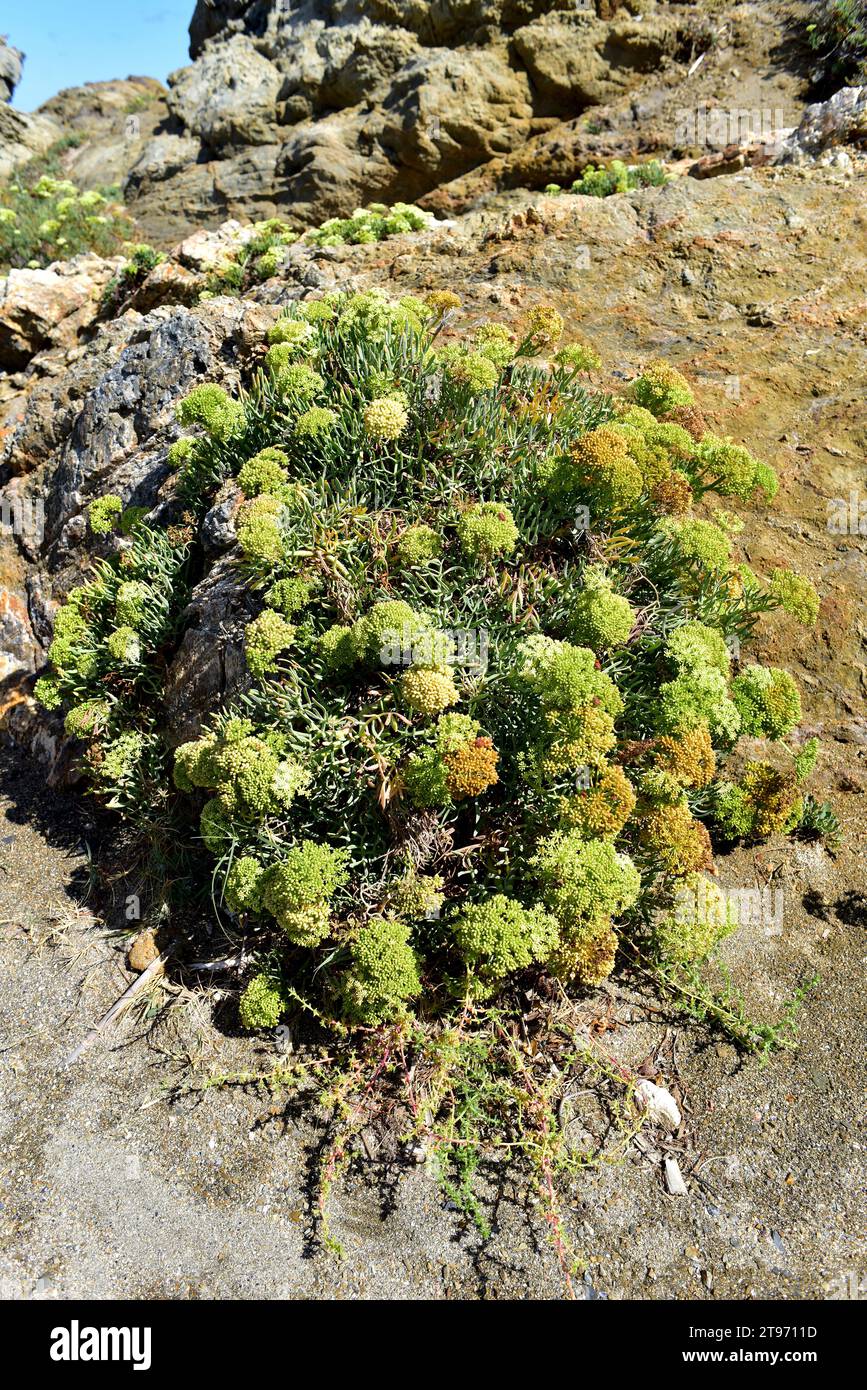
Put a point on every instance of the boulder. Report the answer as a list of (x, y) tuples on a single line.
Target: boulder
[(11, 60), (229, 96), (42, 307), (841, 120)]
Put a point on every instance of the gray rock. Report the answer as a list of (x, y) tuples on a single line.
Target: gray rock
[(11, 60), (229, 96), (839, 121), (209, 666)]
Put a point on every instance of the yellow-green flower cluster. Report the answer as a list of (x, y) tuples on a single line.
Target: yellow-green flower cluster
[(103, 512), (805, 759), (584, 881), (315, 423), (487, 530), (763, 802), (578, 706), (295, 380), (428, 689), (87, 719), (496, 342), (210, 406), (676, 842), (659, 449), (417, 896), (600, 618), (733, 471), (390, 630), (262, 1003), (298, 891), (587, 958), (687, 759), (767, 700), (471, 768), (383, 975), (265, 472), (385, 418), (600, 811), (132, 600), (242, 889), (579, 357), (698, 544), (260, 529), (120, 759), (698, 696), (264, 639), (500, 935), (418, 545), (251, 774), (661, 388), (600, 464), (544, 327), (461, 763), (371, 315), (564, 676), (297, 334), (124, 645), (287, 596), (476, 371), (796, 595)]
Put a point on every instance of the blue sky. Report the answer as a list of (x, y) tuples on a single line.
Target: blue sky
[(68, 42)]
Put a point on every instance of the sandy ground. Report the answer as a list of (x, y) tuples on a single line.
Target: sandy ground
[(115, 1186)]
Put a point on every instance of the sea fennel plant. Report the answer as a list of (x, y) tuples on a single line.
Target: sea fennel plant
[(490, 694)]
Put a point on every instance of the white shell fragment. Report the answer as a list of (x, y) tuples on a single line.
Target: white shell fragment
[(660, 1104), (674, 1178)]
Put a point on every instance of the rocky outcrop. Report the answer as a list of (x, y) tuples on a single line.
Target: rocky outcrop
[(11, 60), (102, 128), (310, 110)]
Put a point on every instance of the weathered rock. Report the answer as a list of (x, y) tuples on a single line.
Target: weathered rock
[(51, 306), (111, 120), (310, 110), (127, 419), (575, 60), (839, 121), (209, 666), (11, 60), (143, 951), (22, 136), (229, 97)]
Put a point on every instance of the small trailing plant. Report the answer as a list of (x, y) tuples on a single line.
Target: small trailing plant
[(377, 222), (617, 177), (256, 256)]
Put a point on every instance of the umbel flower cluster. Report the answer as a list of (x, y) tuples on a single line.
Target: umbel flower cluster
[(490, 693)]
